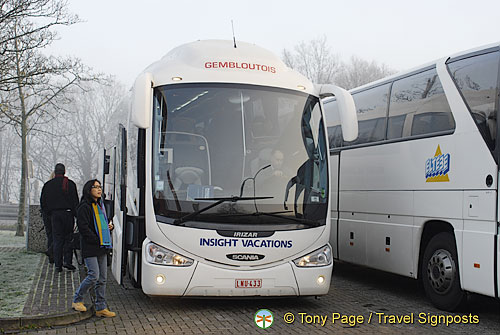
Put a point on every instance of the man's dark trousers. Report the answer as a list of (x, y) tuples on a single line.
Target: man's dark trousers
[(47, 222), (62, 231)]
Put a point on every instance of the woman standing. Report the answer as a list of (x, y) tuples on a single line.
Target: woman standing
[(95, 236)]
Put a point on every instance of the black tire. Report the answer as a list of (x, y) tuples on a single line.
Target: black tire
[(440, 275)]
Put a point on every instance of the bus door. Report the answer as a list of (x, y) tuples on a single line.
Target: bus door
[(334, 198), (119, 260), (106, 175)]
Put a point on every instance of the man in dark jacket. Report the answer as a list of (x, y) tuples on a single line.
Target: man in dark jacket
[(59, 200)]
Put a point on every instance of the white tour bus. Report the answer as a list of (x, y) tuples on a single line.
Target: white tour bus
[(219, 185), (416, 193)]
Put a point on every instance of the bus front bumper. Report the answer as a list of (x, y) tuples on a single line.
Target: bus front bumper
[(206, 280)]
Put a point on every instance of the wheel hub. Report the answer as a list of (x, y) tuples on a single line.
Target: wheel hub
[(441, 271)]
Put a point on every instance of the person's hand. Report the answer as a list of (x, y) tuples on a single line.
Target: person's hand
[(110, 226)]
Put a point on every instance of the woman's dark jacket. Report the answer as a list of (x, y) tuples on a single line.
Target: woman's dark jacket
[(89, 239)]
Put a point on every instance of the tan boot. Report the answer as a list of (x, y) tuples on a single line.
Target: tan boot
[(105, 313), (79, 306)]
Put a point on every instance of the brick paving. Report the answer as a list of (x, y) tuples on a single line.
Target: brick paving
[(354, 292), (48, 301), (51, 291)]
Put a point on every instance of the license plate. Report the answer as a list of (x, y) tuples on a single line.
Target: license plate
[(248, 283)]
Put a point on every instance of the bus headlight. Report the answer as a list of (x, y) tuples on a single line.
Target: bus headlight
[(319, 257), (162, 256)]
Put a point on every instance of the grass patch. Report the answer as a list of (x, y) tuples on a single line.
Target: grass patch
[(17, 271), (8, 238)]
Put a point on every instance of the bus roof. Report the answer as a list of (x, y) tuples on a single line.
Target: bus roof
[(219, 61)]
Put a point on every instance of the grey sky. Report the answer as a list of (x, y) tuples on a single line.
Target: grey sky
[(122, 37)]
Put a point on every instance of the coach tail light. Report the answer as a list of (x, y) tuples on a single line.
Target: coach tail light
[(319, 257), (162, 256)]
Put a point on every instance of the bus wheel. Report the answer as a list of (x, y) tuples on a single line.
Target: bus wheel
[(440, 274)]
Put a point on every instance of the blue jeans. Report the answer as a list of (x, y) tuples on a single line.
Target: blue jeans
[(96, 276)]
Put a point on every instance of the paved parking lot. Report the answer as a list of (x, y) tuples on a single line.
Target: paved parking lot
[(396, 305)]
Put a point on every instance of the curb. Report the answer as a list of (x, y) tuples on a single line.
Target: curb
[(40, 321)]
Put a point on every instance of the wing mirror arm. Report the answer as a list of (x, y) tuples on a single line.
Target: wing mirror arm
[(347, 109), (142, 101)]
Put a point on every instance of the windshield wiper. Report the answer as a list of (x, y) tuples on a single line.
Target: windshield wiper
[(220, 200), (307, 222), (217, 203)]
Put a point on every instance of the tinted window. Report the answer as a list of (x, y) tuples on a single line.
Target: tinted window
[(418, 106), (371, 107), (430, 122), (333, 122), (335, 136), (477, 79), (208, 138), (395, 126)]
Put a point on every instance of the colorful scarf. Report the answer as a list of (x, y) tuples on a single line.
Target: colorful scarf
[(101, 225)]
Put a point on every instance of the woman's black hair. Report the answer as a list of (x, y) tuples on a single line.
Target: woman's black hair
[(87, 188)]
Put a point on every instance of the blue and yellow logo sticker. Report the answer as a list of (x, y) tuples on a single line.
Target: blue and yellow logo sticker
[(437, 167)]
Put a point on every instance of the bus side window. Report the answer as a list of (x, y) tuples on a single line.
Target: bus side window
[(418, 107), (371, 108), (335, 137), (431, 122), (477, 79), (333, 121), (395, 126)]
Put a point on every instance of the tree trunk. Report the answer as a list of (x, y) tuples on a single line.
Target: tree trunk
[(5, 195), (24, 135), (22, 196)]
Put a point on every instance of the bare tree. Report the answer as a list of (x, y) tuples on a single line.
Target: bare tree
[(17, 22), (48, 145), (8, 150), (314, 59), (32, 83), (10, 11), (92, 115), (75, 136), (359, 72)]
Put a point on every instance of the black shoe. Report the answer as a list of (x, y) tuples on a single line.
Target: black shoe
[(50, 256), (58, 269), (70, 267)]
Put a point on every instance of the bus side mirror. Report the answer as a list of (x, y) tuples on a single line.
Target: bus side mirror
[(142, 101), (347, 110)]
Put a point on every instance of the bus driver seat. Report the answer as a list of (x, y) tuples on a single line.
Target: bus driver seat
[(187, 175)]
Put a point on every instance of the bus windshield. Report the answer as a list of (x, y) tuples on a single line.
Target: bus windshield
[(212, 141)]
